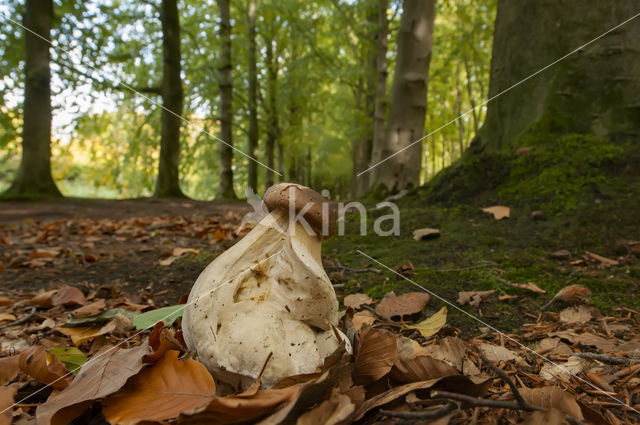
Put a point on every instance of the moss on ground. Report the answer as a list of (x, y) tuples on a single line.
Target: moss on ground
[(588, 189)]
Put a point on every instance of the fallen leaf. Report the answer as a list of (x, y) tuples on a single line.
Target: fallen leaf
[(103, 317), (432, 325), (9, 368), (498, 353), (162, 340), (6, 402), (450, 349), (553, 397), (573, 366), (529, 286), (355, 301), (506, 297), (81, 334), (425, 234), (44, 299), (553, 347), (420, 368), (102, 375), (402, 305), (5, 301), (161, 392), (88, 310), (362, 319), (71, 357), (7, 317), (548, 417), (604, 261), (561, 254), (68, 295), (579, 314), (572, 294), (337, 410), (44, 253), (178, 252), (499, 211), (36, 363), (376, 354), (166, 315), (473, 297)]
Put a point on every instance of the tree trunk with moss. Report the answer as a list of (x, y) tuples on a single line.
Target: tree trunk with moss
[(34, 175), (168, 182), (408, 102), (595, 90), (225, 185)]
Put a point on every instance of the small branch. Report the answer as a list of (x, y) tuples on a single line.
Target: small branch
[(424, 415), (606, 359), (20, 321), (484, 402), (351, 270), (503, 375)]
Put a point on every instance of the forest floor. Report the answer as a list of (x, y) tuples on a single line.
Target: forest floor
[(154, 250)]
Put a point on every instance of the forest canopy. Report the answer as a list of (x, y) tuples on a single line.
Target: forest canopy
[(312, 105)]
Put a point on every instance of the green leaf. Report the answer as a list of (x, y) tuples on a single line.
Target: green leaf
[(432, 325), (103, 317), (71, 357), (167, 315)]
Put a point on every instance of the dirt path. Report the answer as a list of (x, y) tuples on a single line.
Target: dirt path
[(113, 246)]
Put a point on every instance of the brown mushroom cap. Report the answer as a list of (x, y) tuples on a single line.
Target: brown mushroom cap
[(281, 195)]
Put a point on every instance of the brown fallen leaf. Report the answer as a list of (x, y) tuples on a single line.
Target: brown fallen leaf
[(548, 417), (529, 286), (44, 300), (377, 352), (499, 211), (604, 261), (9, 368), (38, 364), (421, 368), (474, 298), (44, 253), (498, 353), (5, 301), (450, 350), (7, 317), (553, 397), (426, 234), (68, 295), (89, 310), (402, 305), (102, 375), (355, 301), (162, 340), (6, 401), (81, 334), (579, 314), (553, 371), (161, 392), (362, 319), (572, 294), (337, 410)]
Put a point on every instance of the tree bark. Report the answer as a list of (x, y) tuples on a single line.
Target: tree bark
[(253, 96), (34, 174), (168, 183), (595, 90), (273, 125), (408, 102), (225, 185)]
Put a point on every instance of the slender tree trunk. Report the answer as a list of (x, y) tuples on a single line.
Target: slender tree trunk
[(253, 96), (408, 103), (280, 161), (168, 182), (472, 101), (458, 111), (34, 174), (225, 187), (358, 159), (433, 155), (595, 90), (273, 131), (380, 109)]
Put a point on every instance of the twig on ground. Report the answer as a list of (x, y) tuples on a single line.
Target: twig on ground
[(606, 359), (503, 375), (351, 270), (461, 269), (20, 321), (424, 415), (485, 402)]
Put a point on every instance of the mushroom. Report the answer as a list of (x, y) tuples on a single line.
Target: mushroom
[(268, 298)]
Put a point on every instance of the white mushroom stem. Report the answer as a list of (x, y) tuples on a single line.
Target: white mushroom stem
[(266, 294)]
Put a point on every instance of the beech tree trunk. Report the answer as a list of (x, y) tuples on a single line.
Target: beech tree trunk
[(408, 102), (225, 186), (168, 183), (34, 174), (596, 90), (253, 96), (273, 124)]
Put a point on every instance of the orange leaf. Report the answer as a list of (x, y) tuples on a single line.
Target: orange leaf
[(402, 305), (553, 397), (82, 334), (68, 295), (355, 301), (101, 376), (89, 310), (9, 368), (6, 401), (161, 392), (44, 299), (377, 352), (499, 211), (35, 362), (162, 341)]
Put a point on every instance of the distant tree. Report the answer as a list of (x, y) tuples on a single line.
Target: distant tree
[(596, 90), (408, 102), (34, 174), (225, 185), (168, 183), (253, 96), (273, 124)]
